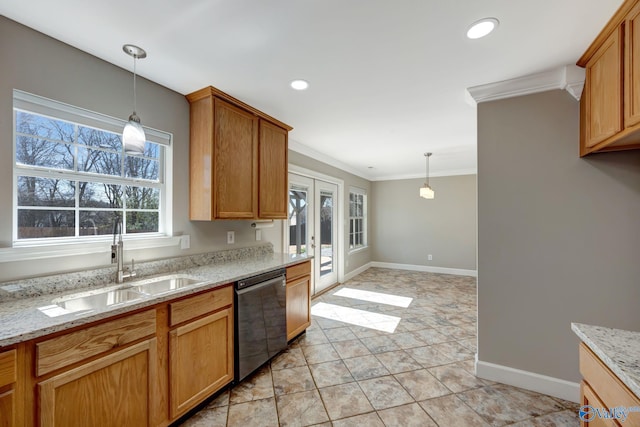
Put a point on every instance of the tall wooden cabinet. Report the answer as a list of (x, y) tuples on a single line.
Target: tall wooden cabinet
[(610, 102), (238, 160)]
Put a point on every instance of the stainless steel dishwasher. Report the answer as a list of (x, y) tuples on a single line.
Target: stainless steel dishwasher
[(261, 320)]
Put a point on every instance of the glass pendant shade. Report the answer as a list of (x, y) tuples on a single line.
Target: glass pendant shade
[(427, 193), (133, 136)]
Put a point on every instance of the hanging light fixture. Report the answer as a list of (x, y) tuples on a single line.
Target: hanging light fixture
[(133, 136), (425, 190)]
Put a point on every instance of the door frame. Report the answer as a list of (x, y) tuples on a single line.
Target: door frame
[(340, 198)]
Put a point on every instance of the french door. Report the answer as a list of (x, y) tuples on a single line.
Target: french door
[(313, 226)]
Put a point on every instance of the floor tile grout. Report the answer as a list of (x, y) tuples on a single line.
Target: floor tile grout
[(442, 304)]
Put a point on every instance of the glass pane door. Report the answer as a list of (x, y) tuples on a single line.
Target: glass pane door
[(326, 230), (313, 227), (298, 215)]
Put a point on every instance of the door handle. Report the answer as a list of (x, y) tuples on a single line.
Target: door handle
[(313, 242)]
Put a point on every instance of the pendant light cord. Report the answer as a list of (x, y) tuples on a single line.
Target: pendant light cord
[(427, 156), (134, 83)]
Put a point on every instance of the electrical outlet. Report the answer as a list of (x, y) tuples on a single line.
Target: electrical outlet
[(258, 234), (185, 242), (231, 237), (430, 257)]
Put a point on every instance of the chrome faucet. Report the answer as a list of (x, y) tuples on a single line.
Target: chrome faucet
[(117, 254)]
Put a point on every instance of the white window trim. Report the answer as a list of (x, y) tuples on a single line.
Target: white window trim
[(81, 245), (365, 216)]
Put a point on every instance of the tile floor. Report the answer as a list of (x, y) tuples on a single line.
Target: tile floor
[(348, 371)]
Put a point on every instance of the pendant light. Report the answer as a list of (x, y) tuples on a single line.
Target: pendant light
[(425, 190), (133, 136)]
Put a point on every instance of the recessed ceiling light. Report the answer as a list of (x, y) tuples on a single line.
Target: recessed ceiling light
[(300, 84), (482, 28)]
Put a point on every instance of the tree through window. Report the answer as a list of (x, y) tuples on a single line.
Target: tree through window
[(74, 180)]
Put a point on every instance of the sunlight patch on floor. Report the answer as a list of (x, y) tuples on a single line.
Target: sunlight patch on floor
[(376, 297), (366, 319)]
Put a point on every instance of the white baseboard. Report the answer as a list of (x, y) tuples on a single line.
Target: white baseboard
[(427, 268), (350, 275), (551, 386)]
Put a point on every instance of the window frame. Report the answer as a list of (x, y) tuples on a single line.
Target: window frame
[(34, 104), (365, 238)]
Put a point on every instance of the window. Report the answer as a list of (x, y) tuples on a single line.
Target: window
[(357, 218), (72, 178)]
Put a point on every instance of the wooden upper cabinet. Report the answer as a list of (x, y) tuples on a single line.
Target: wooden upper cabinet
[(610, 103), (273, 171), (238, 160), (632, 68), (235, 182), (603, 92)]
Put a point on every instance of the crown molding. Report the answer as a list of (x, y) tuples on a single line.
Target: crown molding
[(454, 172), (568, 77), (321, 157)]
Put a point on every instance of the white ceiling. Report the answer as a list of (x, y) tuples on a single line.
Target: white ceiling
[(387, 78)]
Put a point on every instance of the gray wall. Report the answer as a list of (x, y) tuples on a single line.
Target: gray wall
[(358, 258), (38, 64), (558, 236), (407, 228)]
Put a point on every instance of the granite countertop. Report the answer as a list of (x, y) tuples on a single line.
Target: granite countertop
[(25, 318), (618, 349)]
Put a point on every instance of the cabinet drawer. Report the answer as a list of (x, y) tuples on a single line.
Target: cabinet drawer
[(7, 367), (193, 307), (298, 270), (76, 346), (608, 387)]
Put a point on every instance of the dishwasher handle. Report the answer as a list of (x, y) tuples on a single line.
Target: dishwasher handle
[(274, 281)]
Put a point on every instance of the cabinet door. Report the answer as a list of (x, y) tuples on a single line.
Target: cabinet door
[(588, 397), (274, 194), (7, 411), (200, 359), (235, 162), (603, 92), (632, 68), (115, 390), (298, 306)]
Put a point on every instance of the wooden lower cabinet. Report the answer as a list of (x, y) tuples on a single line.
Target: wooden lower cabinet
[(298, 298), (200, 360), (142, 369), (7, 409), (601, 388), (298, 306), (590, 398), (115, 390), (8, 378)]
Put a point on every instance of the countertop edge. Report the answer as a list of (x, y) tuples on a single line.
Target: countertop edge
[(205, 285), (627, 380)]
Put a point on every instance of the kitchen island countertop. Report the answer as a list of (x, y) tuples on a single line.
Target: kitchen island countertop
[(617, 348)]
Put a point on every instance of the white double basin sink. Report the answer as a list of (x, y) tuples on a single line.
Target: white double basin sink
[(125, 293)]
